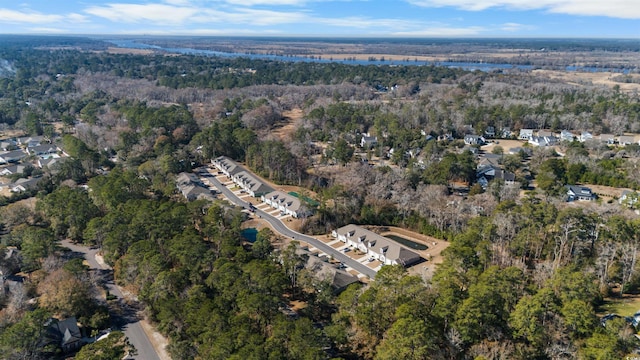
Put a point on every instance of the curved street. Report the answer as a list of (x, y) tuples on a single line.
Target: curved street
[(279, 227), (133, 329)]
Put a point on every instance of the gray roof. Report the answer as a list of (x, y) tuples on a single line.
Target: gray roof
[(42, 149), (291, 202), (626, 139), (14, 169), (30, 183), (187, 178), (47, 162), (69, 330), (11, 156), (393, 251), (580, 190), (228, 164), (191, 187), (193, 192), (254, 183), (338, 278)]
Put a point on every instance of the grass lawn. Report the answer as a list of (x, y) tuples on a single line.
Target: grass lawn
[(626, 306)]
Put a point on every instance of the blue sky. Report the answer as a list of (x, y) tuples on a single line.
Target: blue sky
[(392, 18)]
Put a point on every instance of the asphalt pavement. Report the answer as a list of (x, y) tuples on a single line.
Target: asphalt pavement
[(132, 329), (281, 228)]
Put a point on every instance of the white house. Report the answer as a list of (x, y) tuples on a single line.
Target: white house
[(376, 246), (543, 140), (242, 177), (25, 184), (629, 198), (287, 204), (566, 135), (252, 184), (30, 141), (525, 134), (12, 156), (580, 193), (624, 140), (608, 139), (474, 140), (227, 166), (13, 169), (490, 132), (368, 141), (585, 135), (42, 150)]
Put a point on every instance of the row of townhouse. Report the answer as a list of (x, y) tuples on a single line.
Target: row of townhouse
[(192, 187), (23, 184), (286, 203), (41, 151), (377, 246), (21, 142), (548, 138), (13, 153), (254, 186), (248, 182)]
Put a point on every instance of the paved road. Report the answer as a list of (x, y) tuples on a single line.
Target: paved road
[(281, 228), (133, 330)]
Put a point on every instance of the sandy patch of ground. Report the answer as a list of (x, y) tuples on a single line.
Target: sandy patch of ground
[(582, 78), (5, 191), (291, 120), (117, 50), (505, 144), (433, 254), (10, 133), (607, 192)]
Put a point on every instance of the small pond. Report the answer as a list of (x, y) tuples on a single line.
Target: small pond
[(250, 234), (406, 242)]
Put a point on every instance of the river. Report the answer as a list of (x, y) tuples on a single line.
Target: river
[(483, 66)]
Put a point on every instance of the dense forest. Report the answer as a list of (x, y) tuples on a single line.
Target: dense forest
[(525, 276)]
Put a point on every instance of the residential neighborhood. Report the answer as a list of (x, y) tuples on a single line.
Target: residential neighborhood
[(455, 199), (26, 163)]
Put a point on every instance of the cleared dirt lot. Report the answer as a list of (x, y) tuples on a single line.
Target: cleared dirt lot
[(433, 254), (581, 78), (505, 144)]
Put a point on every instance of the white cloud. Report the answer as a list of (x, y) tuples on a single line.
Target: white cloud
[(251, 17), (163, 14), (77, 18), (31, 17), (177, 2), (514, 27), (366, 23), (266, 2), (200, 31), (132, 13), (625, 9), (47, 30)]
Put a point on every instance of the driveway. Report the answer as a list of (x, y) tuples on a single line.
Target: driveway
[(279, 227), (128, 319)]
